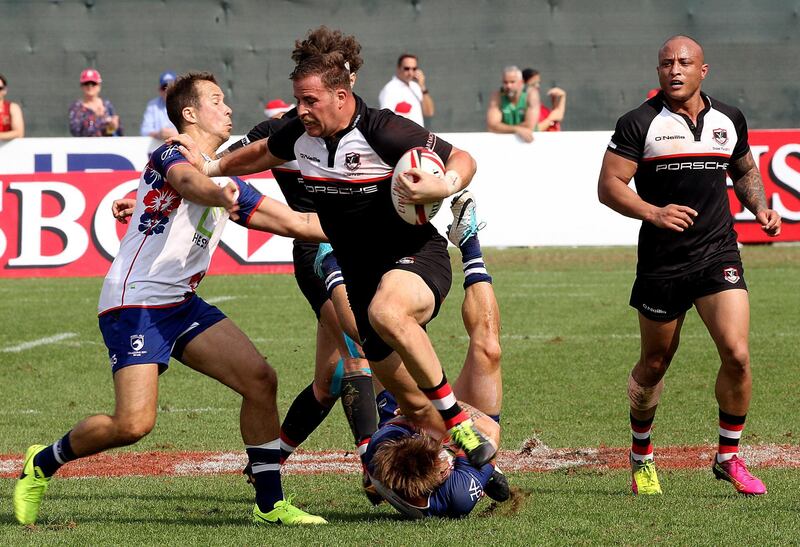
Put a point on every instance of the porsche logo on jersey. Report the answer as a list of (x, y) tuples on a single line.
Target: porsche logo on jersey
[(352, 160), (721, 136), (731, 275)]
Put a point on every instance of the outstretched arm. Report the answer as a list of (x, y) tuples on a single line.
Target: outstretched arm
[(253, 158), (277, 218), (750, 191), (614, 191)]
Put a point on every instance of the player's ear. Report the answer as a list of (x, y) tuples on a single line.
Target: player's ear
[(188, 113), (341, 96), (703, 71)]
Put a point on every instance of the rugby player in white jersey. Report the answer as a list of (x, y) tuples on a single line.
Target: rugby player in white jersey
[(149, 311)]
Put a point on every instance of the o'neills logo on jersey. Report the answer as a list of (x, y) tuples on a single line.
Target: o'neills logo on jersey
[(352, 160), (731, 275), (720, 136), (668, 137), (309, 158)]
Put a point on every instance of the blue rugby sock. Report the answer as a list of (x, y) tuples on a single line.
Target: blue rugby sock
[(266, 468), (54, 456), (472, 262)]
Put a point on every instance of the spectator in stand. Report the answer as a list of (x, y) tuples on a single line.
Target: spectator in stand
[(12, 124), (406, 93), (276, 108), (549, 118), (514, 108), (155, 122), (93, 116)]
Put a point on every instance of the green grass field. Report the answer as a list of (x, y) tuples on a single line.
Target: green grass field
[(569, 340)]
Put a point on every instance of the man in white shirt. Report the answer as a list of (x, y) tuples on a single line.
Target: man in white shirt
[(406, 93)]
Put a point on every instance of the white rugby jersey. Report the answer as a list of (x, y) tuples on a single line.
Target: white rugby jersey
[(169, 243)]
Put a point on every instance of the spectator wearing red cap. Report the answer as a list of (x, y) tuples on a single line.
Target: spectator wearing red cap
[(155, 122), (406, 94), (276, 108), (12, 124), (93, 116)]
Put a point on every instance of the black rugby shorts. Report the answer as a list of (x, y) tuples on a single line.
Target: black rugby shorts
[(666, 299), (312, 287), (431, 262)]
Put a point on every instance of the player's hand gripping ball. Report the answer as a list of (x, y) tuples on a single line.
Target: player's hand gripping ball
[(429, 161)]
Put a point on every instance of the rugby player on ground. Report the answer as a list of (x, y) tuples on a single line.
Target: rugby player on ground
[(149, 311), (679, 146), (397, 274)]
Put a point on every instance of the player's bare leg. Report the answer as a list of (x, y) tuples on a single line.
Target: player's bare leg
[(480, 381), (224, 353), (727, 316), (403, 302), (659, 342)]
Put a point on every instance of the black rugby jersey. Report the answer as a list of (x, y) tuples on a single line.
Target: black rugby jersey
[(349, 178), (685, 164), (288, 175)]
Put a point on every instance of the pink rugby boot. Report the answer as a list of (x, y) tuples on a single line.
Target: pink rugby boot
[(735, 472)]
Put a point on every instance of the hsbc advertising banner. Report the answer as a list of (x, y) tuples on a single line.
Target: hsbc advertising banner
[(56, 194)]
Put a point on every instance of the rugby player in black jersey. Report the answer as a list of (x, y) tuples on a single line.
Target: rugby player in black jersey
[(679, 146), (397, 274)]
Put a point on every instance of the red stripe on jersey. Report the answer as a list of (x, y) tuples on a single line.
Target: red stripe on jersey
[(125, 283), (285, 170), (348, 181), (671, 156), (159, 306), (731, 427)]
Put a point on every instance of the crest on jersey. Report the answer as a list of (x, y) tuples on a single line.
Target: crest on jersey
[(720, 136), (137, 342), (731, 275), (352, 160)]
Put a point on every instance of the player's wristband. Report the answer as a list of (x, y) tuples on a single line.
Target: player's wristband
[(211, 168), (454, 180)]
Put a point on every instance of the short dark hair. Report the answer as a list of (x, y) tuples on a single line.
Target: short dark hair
[(529, 73), (328, 54), (182, 93), (409, 466), (5, 82), (406, 56)]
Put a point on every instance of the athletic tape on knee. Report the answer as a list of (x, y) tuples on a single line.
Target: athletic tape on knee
[(336, 380), (352, 347), (644, 397)]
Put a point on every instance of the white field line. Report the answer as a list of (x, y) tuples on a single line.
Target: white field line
[(219, 299), (39, 342)]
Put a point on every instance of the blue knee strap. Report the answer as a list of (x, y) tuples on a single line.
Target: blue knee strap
[(352, 348)]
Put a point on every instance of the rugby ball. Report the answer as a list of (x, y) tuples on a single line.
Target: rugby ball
[(428, 161)]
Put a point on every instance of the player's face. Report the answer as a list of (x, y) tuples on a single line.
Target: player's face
[(512, 85), (319, 108), (213, 115), (681, 69)]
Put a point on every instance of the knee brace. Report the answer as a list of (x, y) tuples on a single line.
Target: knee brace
[(644, 397)]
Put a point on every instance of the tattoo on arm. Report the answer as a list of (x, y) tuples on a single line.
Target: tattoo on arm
[(747, 184)]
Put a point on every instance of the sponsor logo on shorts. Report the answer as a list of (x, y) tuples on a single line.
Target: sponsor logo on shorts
[(654, 310), (352, 160), (731, 275), (406, 260), (113, 359), (720, 136), (137, 343)]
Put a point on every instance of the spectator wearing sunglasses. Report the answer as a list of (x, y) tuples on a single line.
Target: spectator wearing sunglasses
[(91, 115), (12, 124), (406, 93), (155, 122)]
